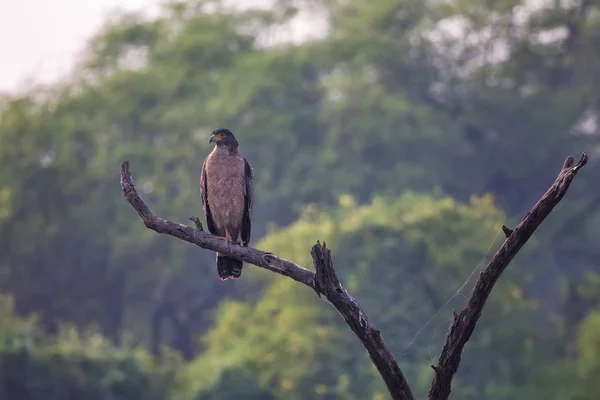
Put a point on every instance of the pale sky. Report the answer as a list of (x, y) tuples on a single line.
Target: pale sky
[(40, 38)]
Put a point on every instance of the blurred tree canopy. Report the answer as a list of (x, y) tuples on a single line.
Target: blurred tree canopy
[(401, 132)]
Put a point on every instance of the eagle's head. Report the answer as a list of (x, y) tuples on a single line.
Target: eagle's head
[(223, 137)]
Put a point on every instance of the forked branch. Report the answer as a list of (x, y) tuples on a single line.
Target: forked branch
[(323, 282), (463, 324), (326, 283)]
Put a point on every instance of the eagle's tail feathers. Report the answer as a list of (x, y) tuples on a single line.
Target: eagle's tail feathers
[(228, 267)]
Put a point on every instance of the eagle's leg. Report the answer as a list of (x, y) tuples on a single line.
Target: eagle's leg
[(230, 267), (230, 238)]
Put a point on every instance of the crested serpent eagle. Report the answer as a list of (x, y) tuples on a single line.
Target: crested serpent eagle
[(227, 190)]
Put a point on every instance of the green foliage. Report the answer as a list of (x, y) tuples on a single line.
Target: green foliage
[(75, 365), (285, 341), (402, 258), (234, 384), (387, 136), (588, 363)]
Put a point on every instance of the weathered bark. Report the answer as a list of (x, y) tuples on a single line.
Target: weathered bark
[(463, 324), (327, 285), (324, 282)]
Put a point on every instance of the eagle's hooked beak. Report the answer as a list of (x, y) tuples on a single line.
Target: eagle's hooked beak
[(212, 139)]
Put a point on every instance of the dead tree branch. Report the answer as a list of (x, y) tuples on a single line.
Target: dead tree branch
[(323, 282), (326, 283), (463, 324)]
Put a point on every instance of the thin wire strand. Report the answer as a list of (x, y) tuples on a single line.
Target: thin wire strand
[(455, 295), (431, 338)]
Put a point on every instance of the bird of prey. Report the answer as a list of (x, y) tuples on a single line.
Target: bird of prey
[(227, 190)]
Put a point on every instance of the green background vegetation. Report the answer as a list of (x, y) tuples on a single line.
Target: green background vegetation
[(400, 142)]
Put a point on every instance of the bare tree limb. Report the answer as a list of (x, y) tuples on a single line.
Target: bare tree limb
[(327, 283), (324, 282), (463, 324)]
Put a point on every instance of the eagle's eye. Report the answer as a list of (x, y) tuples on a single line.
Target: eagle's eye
[(220, 135)]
